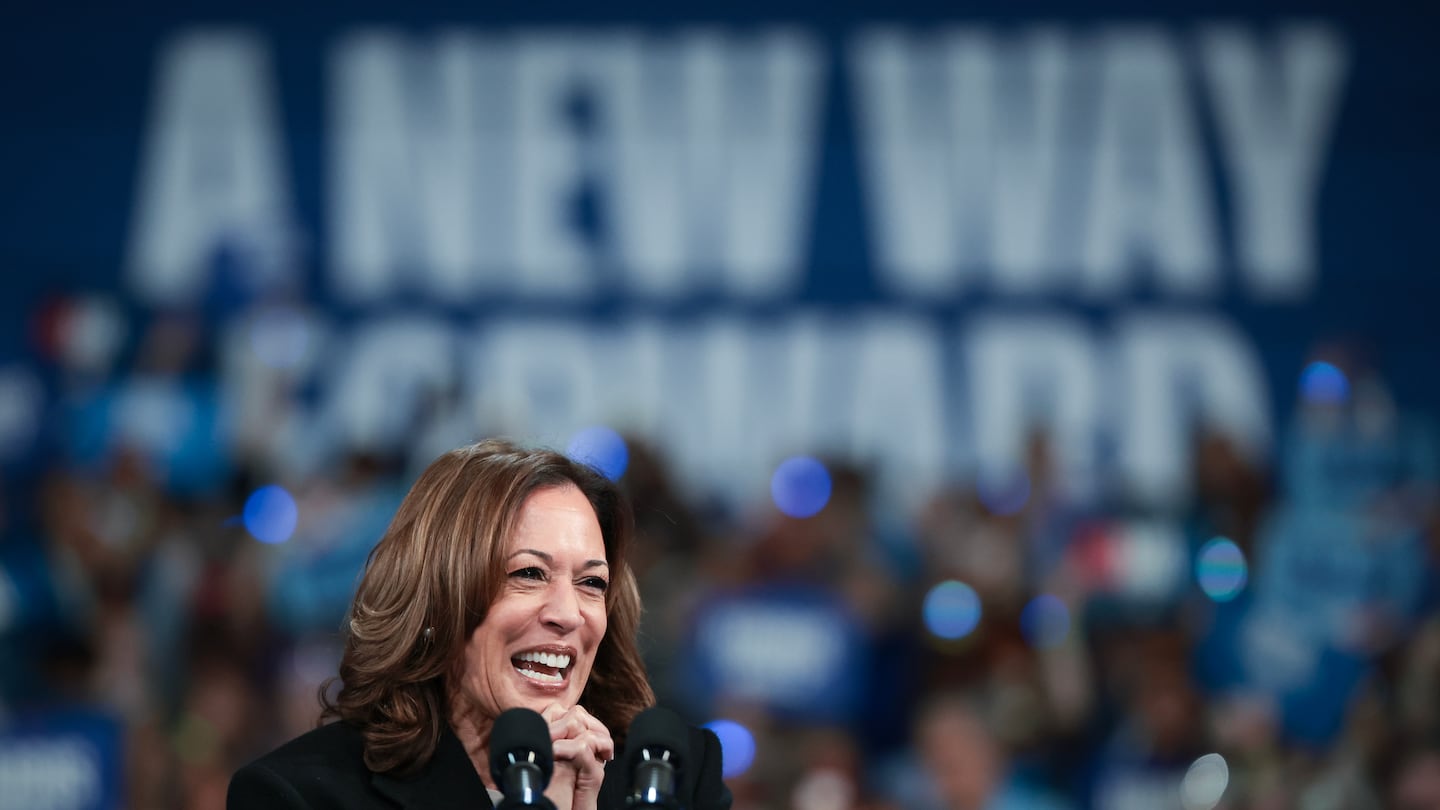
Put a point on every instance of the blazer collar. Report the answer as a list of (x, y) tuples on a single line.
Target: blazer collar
[(447, 780)]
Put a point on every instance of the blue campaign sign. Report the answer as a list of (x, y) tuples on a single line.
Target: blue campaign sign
[(796, 650), (60, 761), (780, 229)]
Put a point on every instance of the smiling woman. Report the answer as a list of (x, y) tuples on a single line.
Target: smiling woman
[(501, 583)]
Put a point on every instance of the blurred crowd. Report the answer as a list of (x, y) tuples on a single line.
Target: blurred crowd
[(1270, 642)]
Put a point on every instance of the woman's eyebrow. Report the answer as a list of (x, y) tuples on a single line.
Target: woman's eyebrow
[(542, 555), (549, 560)]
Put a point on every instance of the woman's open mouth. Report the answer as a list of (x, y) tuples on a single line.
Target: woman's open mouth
[(543, 667)]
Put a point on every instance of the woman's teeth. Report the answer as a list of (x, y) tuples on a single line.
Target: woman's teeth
[(541, 666), (540, 676), (556, 660)]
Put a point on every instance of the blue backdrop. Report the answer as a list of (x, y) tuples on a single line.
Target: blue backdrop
[(965, 178)]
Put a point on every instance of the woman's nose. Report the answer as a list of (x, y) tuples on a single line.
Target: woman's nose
[(562, 607)]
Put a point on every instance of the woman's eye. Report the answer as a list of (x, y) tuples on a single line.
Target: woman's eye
[(597, 583), (528, 573)]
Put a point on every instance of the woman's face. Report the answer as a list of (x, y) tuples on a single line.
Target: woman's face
[(538, 641)]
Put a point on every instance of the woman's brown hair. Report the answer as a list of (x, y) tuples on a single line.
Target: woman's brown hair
[(431, 579)]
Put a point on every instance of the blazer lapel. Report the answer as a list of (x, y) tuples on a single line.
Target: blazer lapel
[(447, 782)]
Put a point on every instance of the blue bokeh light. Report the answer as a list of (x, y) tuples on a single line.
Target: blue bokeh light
[(800, 486), (1004, 494), (952, 610), (270, 514), (737, 746), (1045, 621), (1220, 569), (1323, 384), (601, 448)]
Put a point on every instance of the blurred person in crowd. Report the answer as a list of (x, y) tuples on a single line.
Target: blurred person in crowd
[(1344, 775), (31, 617), (960, 538), (765, 781), (831, 771), (166, 409), (1230, 492), (104, 530), (103, 527), (1008, 540), (832, 547), (797, 766), (673, 547), (1415, 784), (817, 588), (1350, 444), (220, 720), (313, 575), (1418, 682), (673, 533), (957, 762), (310, 579), (72, 647), (1341, 564), (1229, 500), (1244, 728), (502, 582), (1158, 727), (870, 582), (1049, 513)]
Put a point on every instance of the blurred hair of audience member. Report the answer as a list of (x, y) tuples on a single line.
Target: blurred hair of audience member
[(956, 761)]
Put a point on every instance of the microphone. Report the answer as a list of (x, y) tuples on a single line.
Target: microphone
[(654, 755), (521, 759)]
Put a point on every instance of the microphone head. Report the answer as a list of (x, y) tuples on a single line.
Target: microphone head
[(657, 728), (520, 735)]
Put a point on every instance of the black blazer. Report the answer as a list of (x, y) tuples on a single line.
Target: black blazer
[(324, 769)]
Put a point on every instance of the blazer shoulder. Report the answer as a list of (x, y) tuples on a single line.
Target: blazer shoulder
[(303, 773), (336, 744)]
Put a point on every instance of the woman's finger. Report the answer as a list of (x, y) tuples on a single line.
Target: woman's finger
[(589, 720), (563, 722), (604, 743), (580, 752), (574, 723)]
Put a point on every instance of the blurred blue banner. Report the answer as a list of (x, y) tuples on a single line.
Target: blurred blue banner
[(60, 761), (776, 231)]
